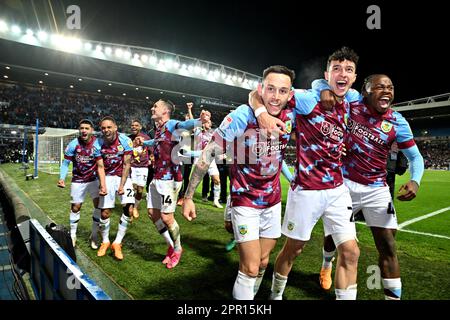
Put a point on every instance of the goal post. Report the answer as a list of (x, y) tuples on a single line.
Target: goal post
[(49, 153)]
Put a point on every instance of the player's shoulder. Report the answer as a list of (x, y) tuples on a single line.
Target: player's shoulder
[(398, 118), (244, 111), (144, 135)]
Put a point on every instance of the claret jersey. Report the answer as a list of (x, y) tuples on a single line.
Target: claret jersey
[(82, 156)]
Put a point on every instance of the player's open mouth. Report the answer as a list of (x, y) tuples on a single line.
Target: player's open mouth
[(384, 101), (341, 84)]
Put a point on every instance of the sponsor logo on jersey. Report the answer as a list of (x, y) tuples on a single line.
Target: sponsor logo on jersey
[(243, 229), (386, 126), (226, 122), (334, 132)]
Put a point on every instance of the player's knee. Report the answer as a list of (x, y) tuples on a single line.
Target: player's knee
[(293, 248), (349, 253), (127, 209), (264, 262), (250, 269), (167, 219), (76, 207), (105, 213)]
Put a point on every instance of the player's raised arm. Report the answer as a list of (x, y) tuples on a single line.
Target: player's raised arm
[(63, 170), (199, 171), (189, 106)]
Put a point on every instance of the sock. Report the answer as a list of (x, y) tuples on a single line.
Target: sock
[(162, 229), (104, 229), (278, 285), (259, 279), (74, 218), (243, 287), (123, 225), (137, 203), (216, 192), (327, 261), (95, 223), (174, 232), (392, 289), (346, 294)]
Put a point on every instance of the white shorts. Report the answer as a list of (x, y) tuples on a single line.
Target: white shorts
[(251, 223), (112, 186), (163, 195), (212, 169), (227, 211), (305, 207), (78, 191), (139, 176), (376, 204)]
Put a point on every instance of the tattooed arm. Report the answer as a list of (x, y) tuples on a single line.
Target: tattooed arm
[(200, 169)]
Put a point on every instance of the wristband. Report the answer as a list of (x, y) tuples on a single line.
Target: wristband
[(259, 111)]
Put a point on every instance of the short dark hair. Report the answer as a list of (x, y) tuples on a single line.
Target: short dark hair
[(279, 69), (110, 118), (86, 121), (368, 81), (344, 53), (169, 105), (136, 120)]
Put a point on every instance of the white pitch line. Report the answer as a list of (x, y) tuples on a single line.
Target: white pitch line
[(415, 232), (406, 223)]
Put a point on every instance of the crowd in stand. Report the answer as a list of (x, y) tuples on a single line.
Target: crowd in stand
[(436, 153), (60, 108)]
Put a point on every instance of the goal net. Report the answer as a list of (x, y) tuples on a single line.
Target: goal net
[(51, 145)]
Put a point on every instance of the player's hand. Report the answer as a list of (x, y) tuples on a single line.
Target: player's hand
[(408, 191), (61, 184), (139, 141), (205, 116), (327, 100), (120, 191), (102, 191), (189, 105), (271, 126), (189, 209)]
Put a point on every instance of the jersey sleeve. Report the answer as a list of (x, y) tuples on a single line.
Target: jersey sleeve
[(234, 124), (403, 134), (69, 152), (305, 101), (190, 124), (98, 148), (416, 165), (126, 143)]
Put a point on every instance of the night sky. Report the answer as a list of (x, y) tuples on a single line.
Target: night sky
[(250, 35)]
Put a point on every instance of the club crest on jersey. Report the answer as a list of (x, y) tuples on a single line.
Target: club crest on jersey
[(288, 126), (386, 126), (290, 226), (120, 148), (243, 229)]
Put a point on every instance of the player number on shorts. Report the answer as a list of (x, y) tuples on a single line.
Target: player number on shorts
[(166, 199), (130, 193)]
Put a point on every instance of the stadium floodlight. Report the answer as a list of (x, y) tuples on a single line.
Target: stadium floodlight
[(147, 98), (29, 32), (42, 35), (153, 59), (168, 62), (108, 50), (234, 78), (216, 73), (41, 82), (98, 48), (16, 29), (71, 86), (98, 90), (110, 84), (79, 79), (5, 76), (3, 26), (124, 94), (176, 64), (127, 55), (7, 67), (191, 68), (119, 52), (88, 46), (135, 56), (45, 74), (183, 66), (144, 58), (137, 89)]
